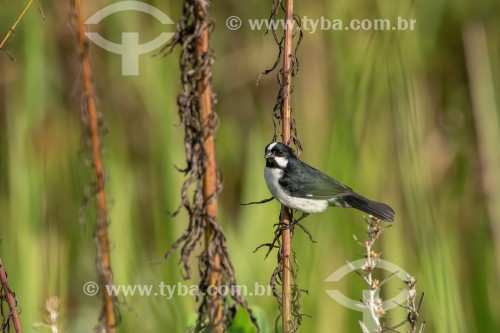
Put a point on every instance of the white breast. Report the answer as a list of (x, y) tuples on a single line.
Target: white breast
[(272, 176)]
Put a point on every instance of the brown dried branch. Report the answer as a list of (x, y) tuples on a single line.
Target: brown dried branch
[(289, 298), (277, 276), (7, 295), (196, 112), (210, 180), (285, 212), (93, 132)]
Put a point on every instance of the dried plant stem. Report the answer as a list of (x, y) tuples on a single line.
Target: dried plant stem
[(210, 180), (285, 272), (101, 234), (13, 27), (285, 212), (286, 310), (11, 301), (372, 301), (202, 181), (413, 307)]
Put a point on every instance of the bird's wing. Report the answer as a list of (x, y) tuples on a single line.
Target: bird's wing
[(304, 181)]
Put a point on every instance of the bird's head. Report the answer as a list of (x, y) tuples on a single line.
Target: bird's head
[(278, 155)]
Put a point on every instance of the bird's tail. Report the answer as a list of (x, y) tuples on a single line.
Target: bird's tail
[(377, 209)]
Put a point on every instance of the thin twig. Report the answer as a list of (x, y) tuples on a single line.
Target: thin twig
[(11, 302), (13, 27), (257, 202)]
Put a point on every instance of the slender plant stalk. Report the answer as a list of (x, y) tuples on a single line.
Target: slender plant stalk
[(13, 27), (285, 212), (101, 231), (210, 181), (486, 121), (413, 306), (11, 302), (372, 300)]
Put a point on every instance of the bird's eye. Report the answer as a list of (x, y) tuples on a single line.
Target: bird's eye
[(278, 153)]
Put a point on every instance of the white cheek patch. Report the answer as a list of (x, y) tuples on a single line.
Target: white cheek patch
[(281, 161)]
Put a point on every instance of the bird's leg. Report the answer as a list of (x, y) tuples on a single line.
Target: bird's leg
[(304, 215), (286, 226), (292, 223), (304, 229)]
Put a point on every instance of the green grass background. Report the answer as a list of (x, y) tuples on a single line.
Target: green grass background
[(409, 118)]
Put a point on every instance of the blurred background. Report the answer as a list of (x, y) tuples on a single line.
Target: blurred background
[(409, 118)]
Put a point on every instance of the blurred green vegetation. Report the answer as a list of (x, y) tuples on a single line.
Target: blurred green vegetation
[(397, 115)]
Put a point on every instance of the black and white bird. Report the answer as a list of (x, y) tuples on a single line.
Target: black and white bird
[(299, 186)]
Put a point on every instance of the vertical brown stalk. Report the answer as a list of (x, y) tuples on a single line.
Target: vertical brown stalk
[(210, 181), (286, 123), (202, 179), (11, 301), (101, 230)]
